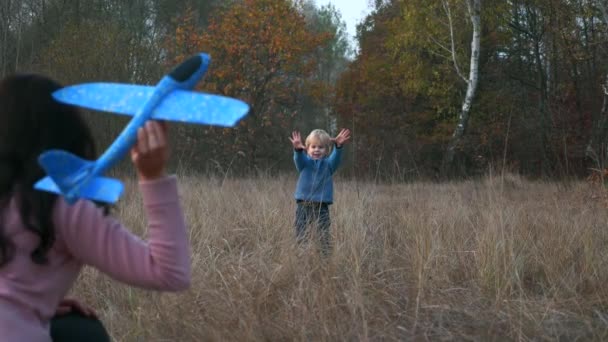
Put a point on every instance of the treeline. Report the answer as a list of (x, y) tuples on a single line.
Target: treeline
[(538, 106)]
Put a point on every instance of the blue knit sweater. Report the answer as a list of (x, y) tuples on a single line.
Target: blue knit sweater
[(315, 183)]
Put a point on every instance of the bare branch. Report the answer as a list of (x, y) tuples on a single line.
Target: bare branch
[(448, 12), (436, 53), (438, 43)]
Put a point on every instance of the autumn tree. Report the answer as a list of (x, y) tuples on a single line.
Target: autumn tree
[(398, 95), (552, 70), (539, 108), (539, 102), (263, 54)]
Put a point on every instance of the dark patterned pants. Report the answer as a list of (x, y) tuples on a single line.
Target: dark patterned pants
[(316, 215)]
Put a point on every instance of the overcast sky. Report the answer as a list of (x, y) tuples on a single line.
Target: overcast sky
[(352, 11)]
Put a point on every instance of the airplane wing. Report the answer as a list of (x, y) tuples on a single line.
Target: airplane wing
[(179, 105)]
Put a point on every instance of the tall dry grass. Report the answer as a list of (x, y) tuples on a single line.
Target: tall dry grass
[(492, 259)]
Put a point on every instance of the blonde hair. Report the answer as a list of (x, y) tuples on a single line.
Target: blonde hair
[(321, 136)]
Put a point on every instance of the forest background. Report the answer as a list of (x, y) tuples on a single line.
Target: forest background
[(536, 99), (430, 89)]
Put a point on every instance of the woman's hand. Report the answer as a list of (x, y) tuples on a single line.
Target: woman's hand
[(151, 152)]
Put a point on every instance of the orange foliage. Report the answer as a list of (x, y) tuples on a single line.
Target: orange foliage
[(257, 47), (262, 53)]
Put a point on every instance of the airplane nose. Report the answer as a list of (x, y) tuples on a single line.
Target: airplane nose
[(205, 58), (189, 67)]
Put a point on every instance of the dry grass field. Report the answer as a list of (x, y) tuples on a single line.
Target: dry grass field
[(496, 259)]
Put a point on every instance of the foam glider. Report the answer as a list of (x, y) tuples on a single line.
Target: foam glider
[(171, 99)]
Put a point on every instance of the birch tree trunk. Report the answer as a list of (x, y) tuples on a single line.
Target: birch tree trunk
[(474, 9)]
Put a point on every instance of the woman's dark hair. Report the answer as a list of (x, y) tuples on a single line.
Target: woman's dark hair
[(31, 122)]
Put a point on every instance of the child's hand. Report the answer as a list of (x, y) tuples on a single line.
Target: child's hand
[(296, 141), (342, 137), (68, 305), (151, 152)]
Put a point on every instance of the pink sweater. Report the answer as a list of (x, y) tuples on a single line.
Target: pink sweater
[(30, 293)]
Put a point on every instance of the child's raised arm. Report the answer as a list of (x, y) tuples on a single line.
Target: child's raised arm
[(342, 137), (296, 141), (299, 157), (336, 155)]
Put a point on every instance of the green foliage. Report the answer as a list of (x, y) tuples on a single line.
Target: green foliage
[(539, 101), (402, 81)]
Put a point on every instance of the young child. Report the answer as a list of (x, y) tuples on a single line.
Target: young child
[(314, 190), (44, 242)]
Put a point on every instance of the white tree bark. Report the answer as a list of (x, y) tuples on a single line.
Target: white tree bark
[(474, 9)]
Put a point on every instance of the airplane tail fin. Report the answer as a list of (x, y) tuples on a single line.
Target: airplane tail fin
[(70, 176)]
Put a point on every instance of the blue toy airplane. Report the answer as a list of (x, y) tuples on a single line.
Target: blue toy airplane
[(170, 99)]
